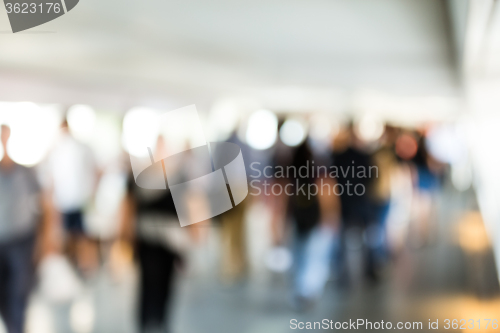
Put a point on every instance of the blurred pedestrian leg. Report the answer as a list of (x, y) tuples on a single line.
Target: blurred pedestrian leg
[(157, 264), (314, 263), (234, 261), (16, 279)]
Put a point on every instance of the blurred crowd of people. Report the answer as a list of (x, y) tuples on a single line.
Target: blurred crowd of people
[(43, 213), (393, 209)]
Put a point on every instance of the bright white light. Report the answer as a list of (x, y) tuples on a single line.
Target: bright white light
[(81, 121), (292, 133), (322, 128), (33, 129), (82, 316), (369, 128), (223, 119), (182, 127), (106, 137), (140, 131), (447, 144), (262, 129)]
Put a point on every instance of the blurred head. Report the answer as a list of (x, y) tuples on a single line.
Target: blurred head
[(64, 125), (161, 148), (343, 139), (390, 135), (5, 135), (406, 146)]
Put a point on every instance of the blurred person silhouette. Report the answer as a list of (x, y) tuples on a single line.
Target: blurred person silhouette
[(427, 183), (25, 225), (314, 216), (353, 163), (233, 235), (151, 224), (281, 157), (74, 174), (402, 193), (384, 158)]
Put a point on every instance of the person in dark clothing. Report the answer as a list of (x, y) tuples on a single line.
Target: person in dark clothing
[(314, 231), (304, 211), (150, 214), (350, 162), (157, 267), (303, 208), (355, 174)]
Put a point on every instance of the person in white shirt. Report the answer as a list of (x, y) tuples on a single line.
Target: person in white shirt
[(74, 175)]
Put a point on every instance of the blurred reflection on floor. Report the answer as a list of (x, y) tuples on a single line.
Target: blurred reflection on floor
[(444, 279)]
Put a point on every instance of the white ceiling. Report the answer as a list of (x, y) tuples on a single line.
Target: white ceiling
[(120, 53)]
